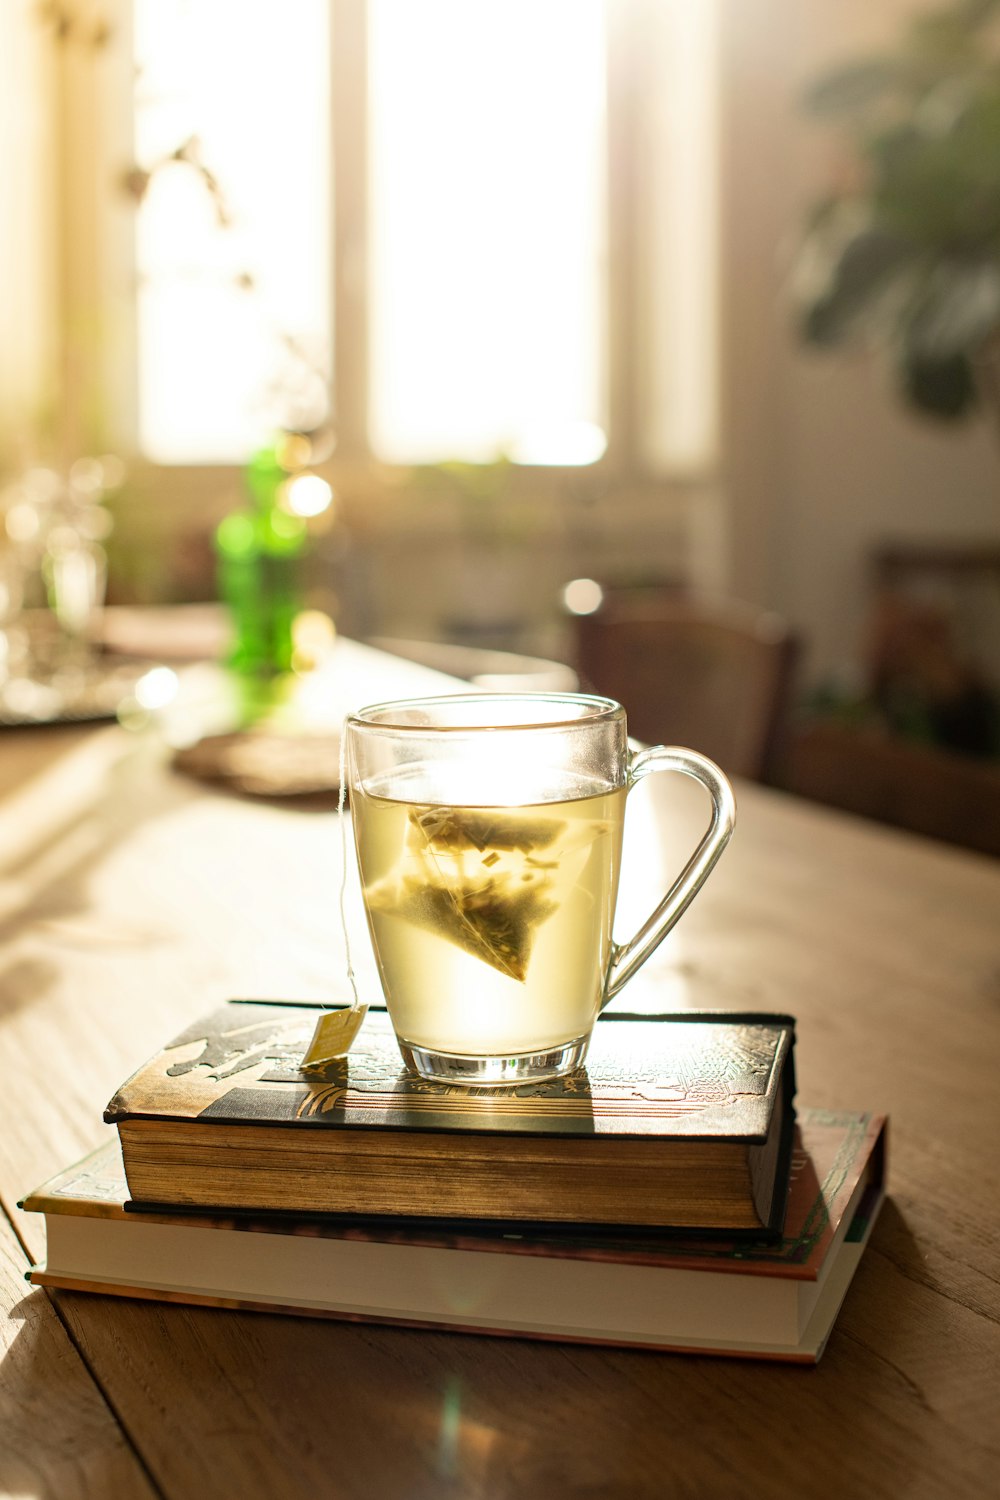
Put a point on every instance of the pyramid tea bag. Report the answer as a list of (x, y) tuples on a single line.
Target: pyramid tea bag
[(483, 879), (495, 922), (448, 830)]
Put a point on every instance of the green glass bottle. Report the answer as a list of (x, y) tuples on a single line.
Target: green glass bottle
[(259, 549)]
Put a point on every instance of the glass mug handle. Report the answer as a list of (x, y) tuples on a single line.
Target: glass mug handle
[(626, 958)]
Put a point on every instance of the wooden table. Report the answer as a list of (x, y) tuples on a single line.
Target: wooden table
[(132, 899)]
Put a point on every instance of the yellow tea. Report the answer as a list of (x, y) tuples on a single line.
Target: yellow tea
[(491, 925)]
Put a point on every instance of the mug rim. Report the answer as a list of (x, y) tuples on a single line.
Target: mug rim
[(387, 716)]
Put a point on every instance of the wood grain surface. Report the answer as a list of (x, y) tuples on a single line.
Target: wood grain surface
[(133, 899), (58, 1436)]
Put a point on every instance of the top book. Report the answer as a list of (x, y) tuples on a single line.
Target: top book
[(677, 1122)]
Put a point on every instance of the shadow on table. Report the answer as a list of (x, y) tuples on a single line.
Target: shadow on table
[(57, 1436), (58, 842)]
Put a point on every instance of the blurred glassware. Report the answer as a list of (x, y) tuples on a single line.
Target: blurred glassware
[(53, 577)]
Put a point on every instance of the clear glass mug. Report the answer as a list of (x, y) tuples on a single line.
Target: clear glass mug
[(488, 829)]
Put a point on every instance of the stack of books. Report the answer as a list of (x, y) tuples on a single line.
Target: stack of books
[(668, 1196)]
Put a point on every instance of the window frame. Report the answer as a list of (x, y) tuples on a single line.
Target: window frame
[(373, 493)]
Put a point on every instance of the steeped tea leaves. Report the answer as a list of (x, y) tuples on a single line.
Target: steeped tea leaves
[(471, 876), (450, 830), (491, 926), (495, 922)]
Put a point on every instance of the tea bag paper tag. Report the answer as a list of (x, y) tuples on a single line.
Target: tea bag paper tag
[(333, 1036)]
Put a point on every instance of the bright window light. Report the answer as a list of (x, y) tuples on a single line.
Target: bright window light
[(486, 287), (487, 207), (233, 254), (678, 284)]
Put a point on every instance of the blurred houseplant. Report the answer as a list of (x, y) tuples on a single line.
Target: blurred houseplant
[(903, 252)]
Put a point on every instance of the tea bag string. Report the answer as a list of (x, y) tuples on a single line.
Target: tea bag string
[(342, 814), (336, 1029)]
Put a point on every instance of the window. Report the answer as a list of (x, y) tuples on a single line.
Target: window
[(233, 233), (485, 227), (487, 214)]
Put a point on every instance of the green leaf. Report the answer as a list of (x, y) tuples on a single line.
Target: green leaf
[(943, 388), (852, 87), (976, 13), (943, 38), (977, 130), (958, 310), (934, 189), (868, 267)]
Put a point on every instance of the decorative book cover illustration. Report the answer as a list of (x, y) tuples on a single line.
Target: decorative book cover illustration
[(698, 1075)]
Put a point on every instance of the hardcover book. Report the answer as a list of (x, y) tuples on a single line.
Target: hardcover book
[(683, 1121), (698, 1294)]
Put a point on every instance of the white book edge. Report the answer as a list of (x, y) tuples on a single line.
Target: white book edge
[(542, 1296)]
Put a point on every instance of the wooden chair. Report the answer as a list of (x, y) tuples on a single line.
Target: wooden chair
[(715, 677)]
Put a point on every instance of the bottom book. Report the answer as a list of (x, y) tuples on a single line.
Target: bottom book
[(775, 1301)]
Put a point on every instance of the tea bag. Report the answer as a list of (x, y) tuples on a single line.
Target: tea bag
[(478, 878), (495, 921), (451, 830)]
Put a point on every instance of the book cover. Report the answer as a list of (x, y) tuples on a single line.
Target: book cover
[(706, 1294), (692, 1073), (705, 1097)]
